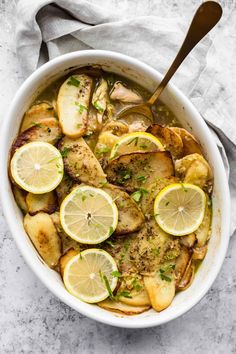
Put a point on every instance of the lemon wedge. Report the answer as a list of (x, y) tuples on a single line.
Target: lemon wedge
[(88, 215), (89, 275), (137, 141), (179, 208), (37, 167)]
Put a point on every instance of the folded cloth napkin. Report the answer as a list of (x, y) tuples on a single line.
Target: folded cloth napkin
[(47, 28)]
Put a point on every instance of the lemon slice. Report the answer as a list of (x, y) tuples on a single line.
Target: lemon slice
[(179, 208), (88, 215), (133, 142), (88, 275), (37, 167)]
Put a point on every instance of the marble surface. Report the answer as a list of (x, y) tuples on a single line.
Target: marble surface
[(34, 321)]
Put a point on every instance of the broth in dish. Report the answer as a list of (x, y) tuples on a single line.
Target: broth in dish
[(120, 208)]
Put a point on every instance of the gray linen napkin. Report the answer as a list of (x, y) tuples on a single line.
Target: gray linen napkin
[(62, 26)]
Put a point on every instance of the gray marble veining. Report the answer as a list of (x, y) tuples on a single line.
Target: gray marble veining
[(34, 321)]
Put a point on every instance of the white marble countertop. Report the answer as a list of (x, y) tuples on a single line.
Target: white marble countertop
[(34, 321)]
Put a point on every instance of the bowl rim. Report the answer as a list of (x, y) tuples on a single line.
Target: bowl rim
[(13, 223)]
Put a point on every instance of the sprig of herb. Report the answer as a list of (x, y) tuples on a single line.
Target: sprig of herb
[(73, 81)]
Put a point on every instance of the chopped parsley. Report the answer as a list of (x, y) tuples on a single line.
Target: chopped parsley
[(184, 188), (137, 195), (98, 107), (65, 152), (111, 230), (141, 178), (73, 82), (124, 294), (110, 243), (106, 282), (103, 149), (116, 274), (81, 107), (134, 140), (164, 270), (35, 124), (137, 286), (165, 277)]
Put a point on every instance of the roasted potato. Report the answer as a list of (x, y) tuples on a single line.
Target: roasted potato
[(199, 253), (190, 144), (137, 299), (64, 188), (73, 103), (182, 263), (100, 99), (204, 231), (140, 169), (196, 170), (188, 240), (170, 139), (120, 307), (48, 131), (67, 241), (65, 259), (46, 202), (44, 236), (187, 278), (80, 163), (20, 198), (147, 200), (160, 292), (36, 114), (130, 217)]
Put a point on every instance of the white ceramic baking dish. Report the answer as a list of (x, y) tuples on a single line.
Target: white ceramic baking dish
[(189, 118)]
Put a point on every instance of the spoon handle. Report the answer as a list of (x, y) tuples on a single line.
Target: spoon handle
[(205, 18)]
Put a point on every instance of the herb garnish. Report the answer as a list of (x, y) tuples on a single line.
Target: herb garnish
[(163, 272), (141, 178), (35, 124), (81, 107), (184, 188), (103, 149), (116, 274), (134, 140), (137, 286), (73, 82), (98, 107), (111, 230), (65, 152), (137, 195)]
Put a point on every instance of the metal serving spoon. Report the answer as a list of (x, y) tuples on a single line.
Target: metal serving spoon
[(205, 18)]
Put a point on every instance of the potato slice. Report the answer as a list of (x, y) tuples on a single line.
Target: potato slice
[(190, 144), (199, 253), (188, 240), (20, 198), (147, 200), (44, 236), (67, 241), (204, 231), (80, 163), (36, 114), (100, 99), (160, 292), (187, 278), (107, 139), (140, 169), (65, 259), (64, 188), (72, 103), (130, 217), (46, 202), (117, 306), (196, 170), (182, 263), (48, 131), (140, 299), (169, 138)]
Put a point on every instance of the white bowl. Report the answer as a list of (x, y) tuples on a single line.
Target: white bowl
[(187, 115)]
